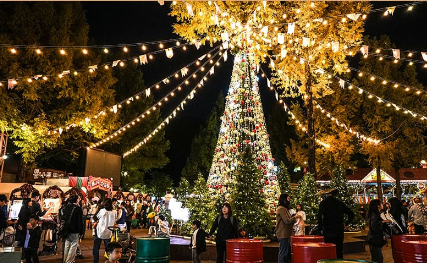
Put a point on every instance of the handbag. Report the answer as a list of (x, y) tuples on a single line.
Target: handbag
[(63, 225)]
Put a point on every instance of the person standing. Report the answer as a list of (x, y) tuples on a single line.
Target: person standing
[(227, 227), (416, 216), (330, 220), (75, 228), (28, 208), (198, 242), (129, 215), (104, 218), (32, 240), (121, 218), (284, 222), (375, 237), (3, 222), (299, 226)]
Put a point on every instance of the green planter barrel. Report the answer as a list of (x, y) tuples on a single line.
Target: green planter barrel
[(343, 261), (153, 250)]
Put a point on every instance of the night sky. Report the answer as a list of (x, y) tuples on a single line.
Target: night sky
[(134, 22)]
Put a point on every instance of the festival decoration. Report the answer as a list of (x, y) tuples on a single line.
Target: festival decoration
[(243, 125)]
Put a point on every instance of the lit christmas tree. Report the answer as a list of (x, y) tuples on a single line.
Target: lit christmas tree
[(284, 179), (243, 125), (200, 204), (306, 196), (248, 200), (345, 194)]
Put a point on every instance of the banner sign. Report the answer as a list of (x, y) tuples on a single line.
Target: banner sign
[(98, 183), (48, 173)]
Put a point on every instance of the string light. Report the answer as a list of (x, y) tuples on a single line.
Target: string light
[(62, 52)]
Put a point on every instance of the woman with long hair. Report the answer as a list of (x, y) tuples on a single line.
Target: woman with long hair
[(104, 218), (375, 237), (227, 227), (399, 214), (284, 222)]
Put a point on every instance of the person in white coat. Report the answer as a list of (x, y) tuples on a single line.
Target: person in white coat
[(105, 217)]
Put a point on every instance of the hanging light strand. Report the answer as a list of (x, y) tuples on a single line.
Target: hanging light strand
[(134, 97), (152, 108), (166, 121), (379, 99), (92, 68)]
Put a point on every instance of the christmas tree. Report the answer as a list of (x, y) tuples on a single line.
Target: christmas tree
[(306, 196), (284, 179), (345, 194), (201, 206), (242, 125), (248, 200), (182, 191)]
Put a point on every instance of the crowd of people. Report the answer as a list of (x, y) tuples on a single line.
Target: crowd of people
[(75, 216)]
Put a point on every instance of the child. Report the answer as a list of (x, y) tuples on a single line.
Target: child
[(198, 242), (163, 224), (242, 233), (114, 252), (32, 240)]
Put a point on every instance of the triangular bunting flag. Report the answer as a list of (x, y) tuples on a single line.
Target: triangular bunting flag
[(202, 57), (272, 64), (115, 108), (147, 92), (225, 45), (115, 62), (37, 76), (280, 38), (182, 105), (143, 59), (189, 9), (276, 95), (320, 20), (305, 41), (396, 53), (264, 30), (268, 83), (169, 53), (342, 83), (218, 11), (94, 67), (184, 71), (353, 17), (224, 36), (161, 2), (197, 44), (424, 55), (335, 46), (165, 81), (60, 130), (225, 55), (11, 83), (174, 113), (364, 49), (390, 10), (212, 70), (66, 72), (291, 28), (283, 53), (257, 68)]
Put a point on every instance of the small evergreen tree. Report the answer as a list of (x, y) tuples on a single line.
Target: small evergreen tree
[(284, 179), (345, 194), (248, 200), (201, 206), (182, 191), (306, 196)]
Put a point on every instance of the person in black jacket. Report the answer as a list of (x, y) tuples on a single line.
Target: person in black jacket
[(376, 231), (227, 227), (74, 215), (29, 207), (330, 220), (32, 240), (198, 242), (3, 222)]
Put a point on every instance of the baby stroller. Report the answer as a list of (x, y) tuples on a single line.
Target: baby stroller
[(125, 239), (50, 241), (8, 237)]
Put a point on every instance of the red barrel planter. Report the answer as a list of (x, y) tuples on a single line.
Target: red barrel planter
[(312, 252), (414, 251), (243, 250), (398, 243), (307, 239)]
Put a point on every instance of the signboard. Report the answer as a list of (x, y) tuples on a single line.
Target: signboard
[(52, 204), (48, 173), (98, 183), (15, 208)]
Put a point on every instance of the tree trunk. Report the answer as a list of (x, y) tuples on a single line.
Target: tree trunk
[(310, 129), (398, 186), (379, 187)]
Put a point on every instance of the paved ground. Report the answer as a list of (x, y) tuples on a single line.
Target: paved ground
[(87, 244)]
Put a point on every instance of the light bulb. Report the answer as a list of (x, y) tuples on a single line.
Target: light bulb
[(105, 50), (84, 51)]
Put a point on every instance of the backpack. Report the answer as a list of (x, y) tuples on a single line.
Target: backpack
[(231, 219)]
